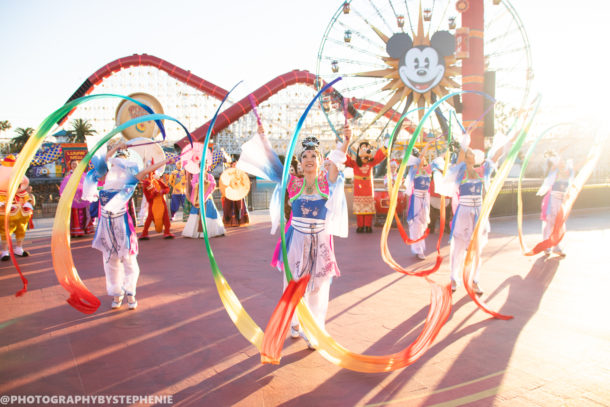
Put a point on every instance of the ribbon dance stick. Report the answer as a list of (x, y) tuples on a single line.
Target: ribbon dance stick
[(242, 320)]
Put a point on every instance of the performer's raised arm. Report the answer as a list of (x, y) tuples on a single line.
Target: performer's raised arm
[(142, 174), (338, 157)]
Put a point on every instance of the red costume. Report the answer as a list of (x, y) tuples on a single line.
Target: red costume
[(154, 190), (364, 199)]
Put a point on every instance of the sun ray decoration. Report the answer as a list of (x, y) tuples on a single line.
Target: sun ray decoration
[(419, 68)]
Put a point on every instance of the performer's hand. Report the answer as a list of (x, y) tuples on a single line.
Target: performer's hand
[(454, 146), (261, 129), (347, 133)]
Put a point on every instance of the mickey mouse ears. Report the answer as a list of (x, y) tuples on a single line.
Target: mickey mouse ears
[(442, 41), (398, 44)]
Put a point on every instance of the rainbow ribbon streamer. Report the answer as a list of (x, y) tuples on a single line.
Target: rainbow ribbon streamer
[(472, 256), (403, 233), (269, 343), (80, 297), (571, 194), (385, 252), (278, 325), (28, 152), (334, 352), (327, 346), (242, 320), (67, 275)]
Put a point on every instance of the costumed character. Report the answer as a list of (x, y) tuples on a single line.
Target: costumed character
[(418, 186), (319, 211), (154, 189), (466, 181), (235, 212), (364, 200), (21, 211), (33, 200), (177, 180), (193, 228), (81, 222), (115, 236), (559, 176)]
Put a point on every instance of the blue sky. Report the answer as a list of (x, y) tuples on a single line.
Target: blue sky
[(50, 47)]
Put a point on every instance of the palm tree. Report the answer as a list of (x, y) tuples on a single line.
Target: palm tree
[(23, 135), (4, 126), (80, 130)]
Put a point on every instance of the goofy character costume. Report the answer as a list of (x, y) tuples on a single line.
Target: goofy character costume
[(154, 190), (21, 210), (364, 200)]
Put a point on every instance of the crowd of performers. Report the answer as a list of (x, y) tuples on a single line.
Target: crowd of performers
[(316, 207)]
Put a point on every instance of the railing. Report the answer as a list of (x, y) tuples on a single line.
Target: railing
[(594, 195)]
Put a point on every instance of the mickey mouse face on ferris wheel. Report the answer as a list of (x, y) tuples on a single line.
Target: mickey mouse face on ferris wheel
[(421, 67)]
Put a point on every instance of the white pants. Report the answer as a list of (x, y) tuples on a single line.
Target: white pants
[(555, 201), (463, 228), (419, 223), (458, 249), (121, 274), (317, 301)]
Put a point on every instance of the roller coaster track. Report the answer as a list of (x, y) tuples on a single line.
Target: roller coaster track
[(232, 113)]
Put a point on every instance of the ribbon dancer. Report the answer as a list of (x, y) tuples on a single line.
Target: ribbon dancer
[(318, 212)]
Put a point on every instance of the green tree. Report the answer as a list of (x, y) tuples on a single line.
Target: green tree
[(80, 130), (4, 126), (23, 135)]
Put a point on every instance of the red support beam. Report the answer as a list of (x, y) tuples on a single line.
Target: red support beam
[(473, 69)]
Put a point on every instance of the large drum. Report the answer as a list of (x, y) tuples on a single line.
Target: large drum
[(382, 204), (128, 110)]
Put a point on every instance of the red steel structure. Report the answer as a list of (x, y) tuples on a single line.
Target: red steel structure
[(473, 70), (232, 113)]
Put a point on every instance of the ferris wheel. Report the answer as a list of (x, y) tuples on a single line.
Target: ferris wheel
[(380, 87)]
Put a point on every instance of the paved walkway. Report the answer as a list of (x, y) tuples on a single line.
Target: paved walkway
[(181, 342)]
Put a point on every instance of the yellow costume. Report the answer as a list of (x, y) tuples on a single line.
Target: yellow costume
[(22, 209), (177, 180)]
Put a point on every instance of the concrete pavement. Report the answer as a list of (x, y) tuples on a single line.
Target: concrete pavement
[(181, 342)]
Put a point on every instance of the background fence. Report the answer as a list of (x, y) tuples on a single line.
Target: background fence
[(594, 195)]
